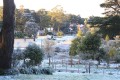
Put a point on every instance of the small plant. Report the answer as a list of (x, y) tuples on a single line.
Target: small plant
[(34, 53), (79, 33), (60, 33)]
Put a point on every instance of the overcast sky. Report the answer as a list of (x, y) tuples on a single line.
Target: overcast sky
[(85, 8)]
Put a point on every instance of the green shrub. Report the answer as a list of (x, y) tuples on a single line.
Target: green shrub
[(19, 35), (33, 70), (117, 57), (60, 33), (34, 53), (47, 70)]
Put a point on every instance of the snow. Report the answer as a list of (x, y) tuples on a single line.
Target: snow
[(62, 42), (62, 76), (67, 72)]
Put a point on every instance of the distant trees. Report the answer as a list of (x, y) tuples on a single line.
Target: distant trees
[(20, 20), (57, 17), (95, 21), (43, 19), (26, 23), (75, 19)]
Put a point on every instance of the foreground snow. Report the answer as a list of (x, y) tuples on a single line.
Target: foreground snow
[(62, 76)]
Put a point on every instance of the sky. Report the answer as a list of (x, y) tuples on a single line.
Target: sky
[(84, 8)]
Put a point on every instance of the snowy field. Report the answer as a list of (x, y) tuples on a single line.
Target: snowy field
[(21, 43), (66, 72), (63, 76)]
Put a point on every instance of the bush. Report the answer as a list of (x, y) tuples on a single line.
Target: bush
[(17, 56), (34, 53), (47, 71), (19, 35), (117, 57), (12, 71), (25, 71), (60, 33), (33, 70)]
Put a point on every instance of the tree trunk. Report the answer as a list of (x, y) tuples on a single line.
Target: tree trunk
[(108, 63), (7, 34), (89, 67), (71, 61), (79, 60), (49, 59)]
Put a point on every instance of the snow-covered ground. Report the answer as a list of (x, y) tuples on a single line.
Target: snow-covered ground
[(63, 76), (59, 41), (61, 64)]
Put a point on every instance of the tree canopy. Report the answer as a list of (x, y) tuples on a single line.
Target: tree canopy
[(43, 19), (107, 25), (112, 7), (57, 16), (74, 47)]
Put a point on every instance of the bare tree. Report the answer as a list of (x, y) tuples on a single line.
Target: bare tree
[(48, 48)]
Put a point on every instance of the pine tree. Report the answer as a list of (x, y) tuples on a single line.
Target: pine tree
[(112, 7)]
